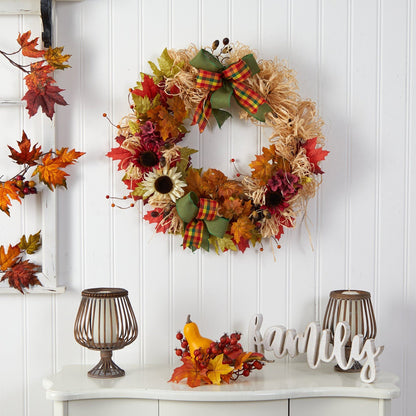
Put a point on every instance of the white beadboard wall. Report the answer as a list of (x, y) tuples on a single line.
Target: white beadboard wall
[(356, 59)]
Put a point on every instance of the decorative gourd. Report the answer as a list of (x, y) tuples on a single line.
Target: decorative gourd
[(192, 335)]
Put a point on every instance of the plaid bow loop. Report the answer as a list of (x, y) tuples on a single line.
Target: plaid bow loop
[(201, 220), (222, 82)]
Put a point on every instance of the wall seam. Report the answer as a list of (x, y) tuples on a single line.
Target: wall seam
[(407, 201)]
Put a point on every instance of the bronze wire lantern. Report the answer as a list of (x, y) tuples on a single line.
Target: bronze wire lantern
[(105, 322), (354, 307)]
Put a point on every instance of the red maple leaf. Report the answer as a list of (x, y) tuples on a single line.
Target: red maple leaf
[(314, 154), (191, 371), (26, 155), (29, 46), (149, 88), (22, 275), (123, 155), (156, 217), (44, 98), (242, 244)]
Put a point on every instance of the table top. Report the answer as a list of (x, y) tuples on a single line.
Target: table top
[(275, 381)]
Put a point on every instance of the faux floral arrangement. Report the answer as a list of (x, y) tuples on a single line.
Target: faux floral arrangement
[(206, 207), (208, 362)]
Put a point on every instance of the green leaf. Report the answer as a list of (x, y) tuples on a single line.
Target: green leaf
[(185, 153), (165, 62), (142, 104), (32, 244), (222, 243), (134, 127), (167, 68), (156, 71), (139, 190)]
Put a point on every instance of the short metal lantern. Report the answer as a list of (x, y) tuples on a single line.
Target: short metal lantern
[(105, 322), (355, 308)]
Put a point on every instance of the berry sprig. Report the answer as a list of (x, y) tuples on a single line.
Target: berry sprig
[(233, 354)]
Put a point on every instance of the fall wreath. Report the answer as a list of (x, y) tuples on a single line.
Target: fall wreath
[(206, 207)]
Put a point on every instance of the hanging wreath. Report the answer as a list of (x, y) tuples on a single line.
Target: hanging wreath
[(206, 207)]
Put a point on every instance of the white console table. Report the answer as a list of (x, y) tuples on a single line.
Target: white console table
[(279, 389)]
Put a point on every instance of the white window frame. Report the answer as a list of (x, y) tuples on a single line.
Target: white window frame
[(48, 275)]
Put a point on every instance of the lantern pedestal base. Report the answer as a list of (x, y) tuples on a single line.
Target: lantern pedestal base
[(106, 368)]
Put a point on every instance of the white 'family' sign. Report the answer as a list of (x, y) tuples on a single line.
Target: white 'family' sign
[(316, 344)]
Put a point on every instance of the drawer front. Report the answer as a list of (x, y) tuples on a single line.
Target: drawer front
[(339, 406), (113, 407), (263, 408)]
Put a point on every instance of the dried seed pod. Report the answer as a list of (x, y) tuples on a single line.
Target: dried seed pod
[(215, 44), (226, 41)]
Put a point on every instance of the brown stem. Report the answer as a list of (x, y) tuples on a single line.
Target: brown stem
[(14, 63)]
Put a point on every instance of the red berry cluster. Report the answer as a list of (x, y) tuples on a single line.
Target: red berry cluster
[(25, 187), (227, 345)]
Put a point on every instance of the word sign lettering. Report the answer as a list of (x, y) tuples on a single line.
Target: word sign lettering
[(316, 343)]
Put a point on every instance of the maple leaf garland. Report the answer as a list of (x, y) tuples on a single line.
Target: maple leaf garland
[(47, 166), (18, 271), (41, 93)]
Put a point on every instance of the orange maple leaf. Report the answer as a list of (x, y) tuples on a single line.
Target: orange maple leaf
[(246, 356), (26, 155), (22, 275), (262, 168), (231, 207), (194, 181), (230, 189), (29, 46), (9, 258), (55, 58), (212, 179), (39, 77), (242, 228), (66, 157), (191, 372), (50, 173), (8, 191), (177, 106)]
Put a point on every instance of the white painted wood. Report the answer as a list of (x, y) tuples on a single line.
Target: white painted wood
[(40, 129), (273, 382), (338, 406), (267, 408), (109, 407), (355, 58)]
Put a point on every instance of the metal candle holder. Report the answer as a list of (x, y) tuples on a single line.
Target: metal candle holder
[(354, 307), (105, 322)]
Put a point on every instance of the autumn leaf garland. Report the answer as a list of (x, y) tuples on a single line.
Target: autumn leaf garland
[(15, 268), (39, 80), (47, 167)]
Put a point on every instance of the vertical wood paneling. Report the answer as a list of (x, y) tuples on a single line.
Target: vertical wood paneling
[(304, 58), (355, 58), (157, 247), (186, 279), (215, 302), (363, 128), (393, 159), (333, 105), (409, 287)]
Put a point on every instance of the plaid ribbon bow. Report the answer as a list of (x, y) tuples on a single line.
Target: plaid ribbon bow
[(223, 82), (202, 221)]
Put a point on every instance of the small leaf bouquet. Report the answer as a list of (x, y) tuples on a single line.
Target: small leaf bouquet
[(208, 362)]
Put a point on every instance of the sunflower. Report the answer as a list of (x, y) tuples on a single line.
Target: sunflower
[(163, 184)]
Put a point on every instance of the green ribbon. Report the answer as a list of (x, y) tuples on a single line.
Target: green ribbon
[(221, 98), (187, 209)]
